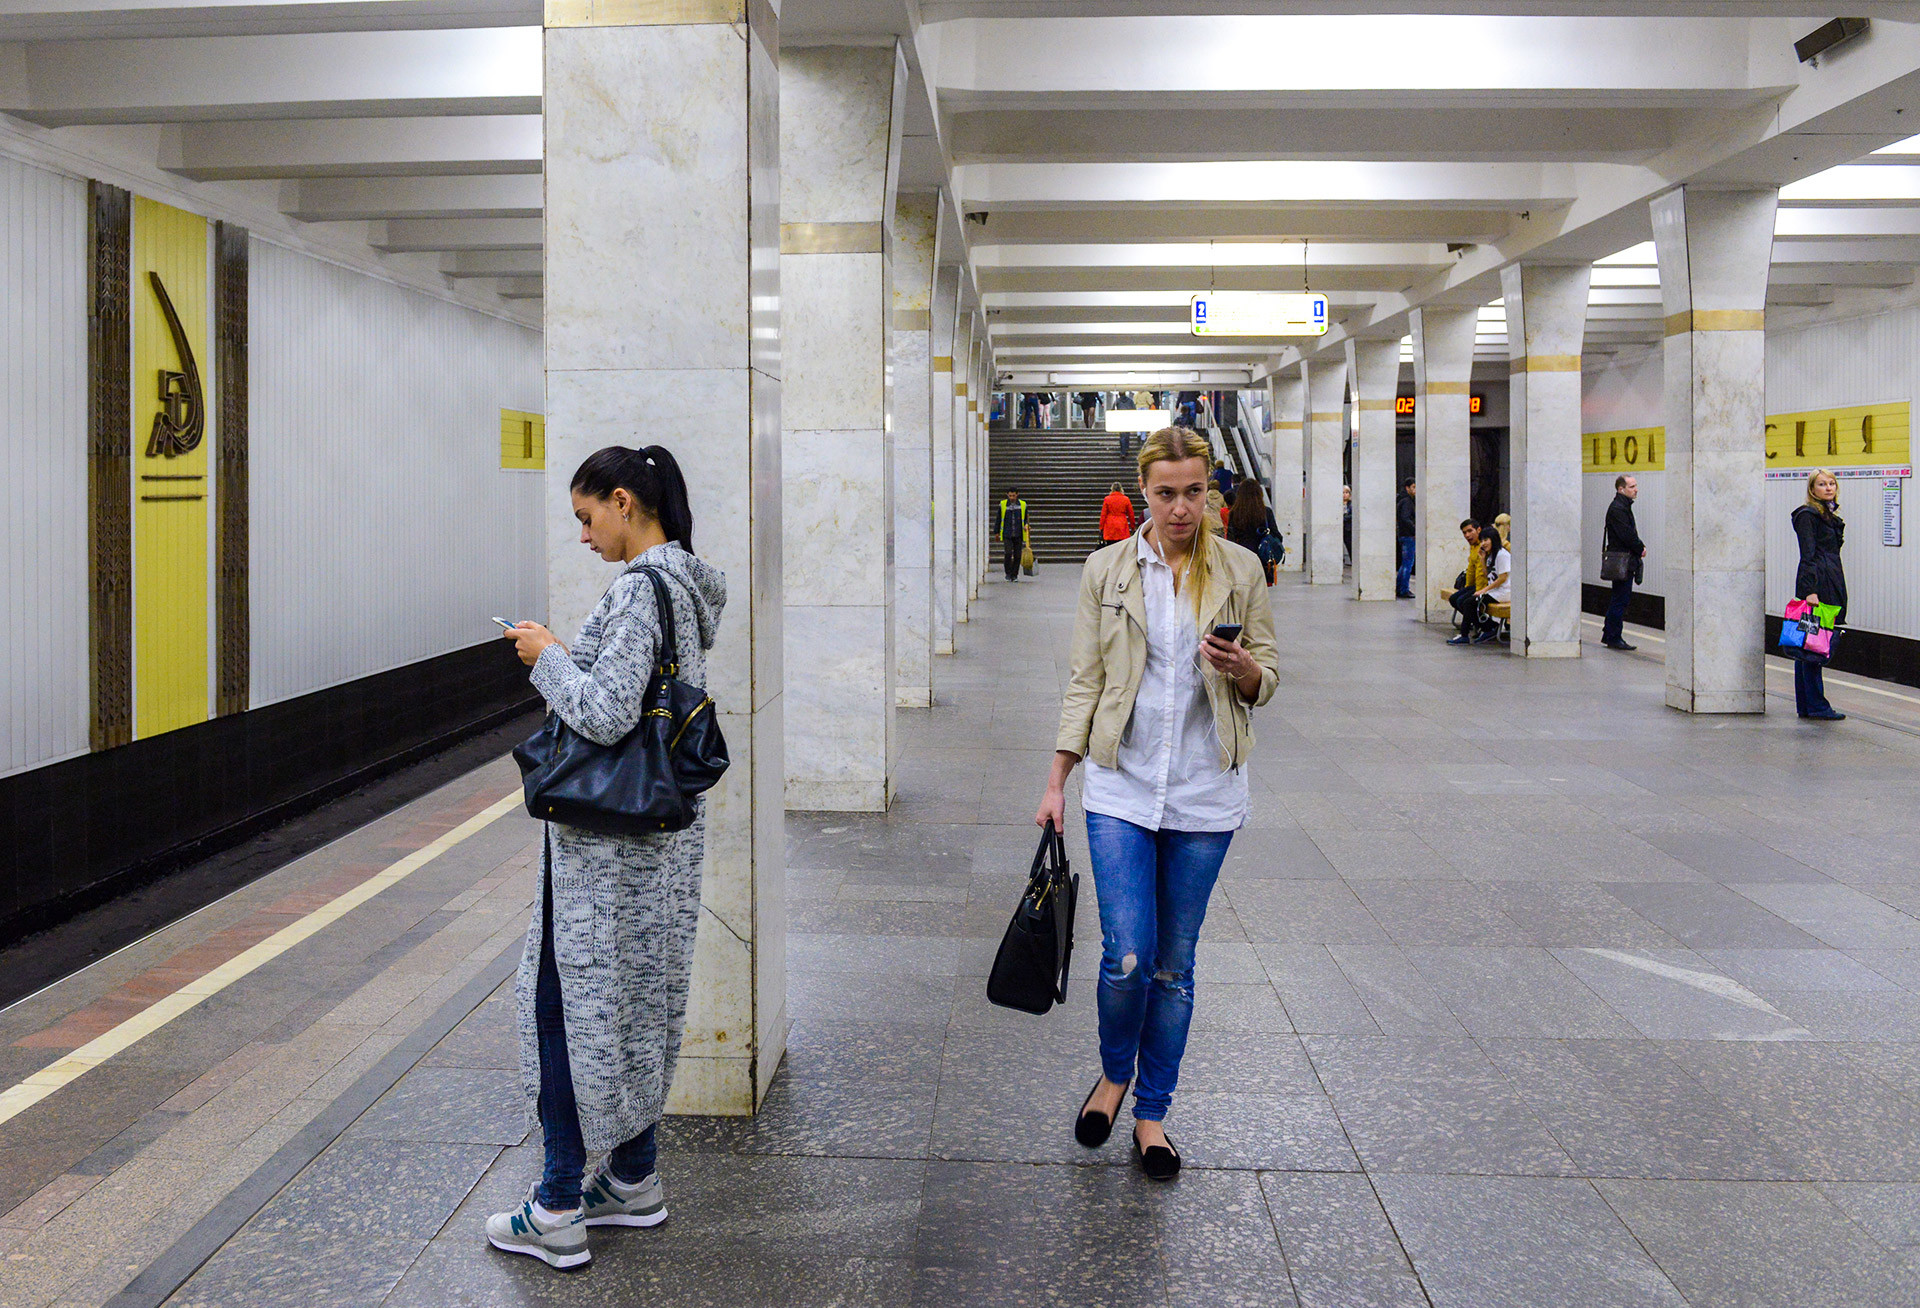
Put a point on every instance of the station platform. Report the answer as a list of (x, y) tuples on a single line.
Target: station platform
[(1519, 989)]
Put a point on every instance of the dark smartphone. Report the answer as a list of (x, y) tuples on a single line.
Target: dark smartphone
[(1227, 631)]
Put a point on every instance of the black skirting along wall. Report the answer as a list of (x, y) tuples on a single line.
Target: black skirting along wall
[(1863, 653), (77, 833)]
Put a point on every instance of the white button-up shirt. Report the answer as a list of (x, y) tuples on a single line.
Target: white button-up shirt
[(1169, 775)]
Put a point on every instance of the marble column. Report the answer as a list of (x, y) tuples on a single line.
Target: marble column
[(1714, 249), (945, 515), (913, 262), (1325, 443), (1286, 406), (1546, 322), (977, 397), (1442, 450), (841, 112), (1374, 367), (635, 235), (965, 582)]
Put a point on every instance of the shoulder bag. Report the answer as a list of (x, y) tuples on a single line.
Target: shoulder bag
[(1030, 970), (1615, 565), (648, 781)]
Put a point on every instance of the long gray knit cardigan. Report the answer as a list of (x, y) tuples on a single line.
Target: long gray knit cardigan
[(625, 908)]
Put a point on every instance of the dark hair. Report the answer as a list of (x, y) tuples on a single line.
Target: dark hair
[(1620, 482), (1469, 522), (1493, 534), (651, 475), (1408, 482), (1248, 516)]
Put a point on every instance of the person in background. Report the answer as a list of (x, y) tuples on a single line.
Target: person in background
[(1819, 580), (1620, 533), (1218, 504), (1403, 536), (1503, 523), (1160, 708), (1472, 578), (1089, 407), (1189, 403), (1117, 520), (1146, 400), (1250, 525), (1346, 522), (1029, 409), (1222, 477), (604, 976), (1499, 587), (1123, 400), (1012, 531)]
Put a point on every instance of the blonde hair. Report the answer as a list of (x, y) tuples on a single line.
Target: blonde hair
[(1825, 507), (1177, 445)]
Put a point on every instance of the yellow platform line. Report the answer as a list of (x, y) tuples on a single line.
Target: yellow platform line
[(18, 1098)]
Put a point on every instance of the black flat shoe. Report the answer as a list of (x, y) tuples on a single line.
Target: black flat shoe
[(1160, 1163), (1620, 645), (1092, 1129)]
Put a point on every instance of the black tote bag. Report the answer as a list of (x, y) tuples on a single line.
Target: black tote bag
[(1030, 971), (649, 779)]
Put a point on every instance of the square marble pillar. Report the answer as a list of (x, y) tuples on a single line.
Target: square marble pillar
[(1286, 406), (913, 262), (1374, 367), (966, 530), (1325, 444), (977, 398), (841, 114), (1442, 450), (634, 234), (946, 523), (1715, 249), (1546, 323)]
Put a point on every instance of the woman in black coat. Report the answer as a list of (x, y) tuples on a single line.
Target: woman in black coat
[(1819, 580)]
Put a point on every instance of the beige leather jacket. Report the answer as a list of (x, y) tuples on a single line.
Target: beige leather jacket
[(1110, 649)]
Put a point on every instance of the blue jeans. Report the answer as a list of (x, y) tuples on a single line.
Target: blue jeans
[(559, 1114), (1616, 612), (1809, 688), (1403, 580), (1153, 888)]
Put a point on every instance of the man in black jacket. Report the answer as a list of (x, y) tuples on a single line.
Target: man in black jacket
[(1621, 535), (1403, 537)]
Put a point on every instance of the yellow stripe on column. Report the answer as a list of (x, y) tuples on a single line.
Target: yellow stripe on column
[(1545, 363), (1716, 320), (1448, 388), (943, 363), (1374, 406), (64, 1071)]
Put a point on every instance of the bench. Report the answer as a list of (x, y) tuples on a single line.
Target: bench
[(1504, 613)]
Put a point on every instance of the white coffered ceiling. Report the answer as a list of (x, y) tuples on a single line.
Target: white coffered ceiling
[(1111, 157)]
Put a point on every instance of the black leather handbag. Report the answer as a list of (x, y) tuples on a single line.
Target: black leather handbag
[(646, 782), (1030, 971)]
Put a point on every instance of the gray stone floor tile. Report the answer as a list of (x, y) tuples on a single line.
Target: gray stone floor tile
[(1246, 1062), (1303, 913), (1400, 1000), (881, 918), (1772, 972), (1578, 914), (1015, 1100), (1900, 966), (1831, 1120), (1421, 1104), (911, 1000), (1217, 1242), (1739, 1243), (1284, 855), (1384, 855), (1675, 994), (1523, 991), (1703, 916), (1316, 993), (1875, 1015), (1727, 857), (1623, 1108), (1221, 1007), (1316, 1289), (1528, 1242), (1439, 913), (487, 1037), (1889, 1211), (861, 955), (300, 1268), (1297, 1132), (1333, 1225), (1837, 915), (455, 1105), (1233, 962)]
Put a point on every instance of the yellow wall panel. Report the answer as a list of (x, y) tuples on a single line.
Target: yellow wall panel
[(523, 440), (1642, 449), (171, 483), (1867, 435)]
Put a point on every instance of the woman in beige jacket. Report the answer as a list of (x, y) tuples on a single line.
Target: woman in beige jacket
[(1172, 648)]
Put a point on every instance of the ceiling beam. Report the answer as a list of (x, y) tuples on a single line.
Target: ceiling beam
[(429, 235), (328, 75), (92, 20), (1170, 222), (493, 263), (361, 199), (354, 147)]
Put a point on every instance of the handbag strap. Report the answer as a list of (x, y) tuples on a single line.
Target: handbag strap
[(667, 658)]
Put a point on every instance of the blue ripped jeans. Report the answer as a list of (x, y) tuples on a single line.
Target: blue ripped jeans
[(566, 1149), (1153, 888)]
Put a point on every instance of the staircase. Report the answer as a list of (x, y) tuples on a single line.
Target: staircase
[(1063, 476)]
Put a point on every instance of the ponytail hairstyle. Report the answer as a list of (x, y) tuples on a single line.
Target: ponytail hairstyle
[(651, 475), (1177, 445)]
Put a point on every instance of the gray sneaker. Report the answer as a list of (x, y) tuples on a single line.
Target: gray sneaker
[(614, 1203), (560, 1244)]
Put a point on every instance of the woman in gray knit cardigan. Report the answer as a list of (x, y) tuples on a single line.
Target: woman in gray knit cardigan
[(602, 990)]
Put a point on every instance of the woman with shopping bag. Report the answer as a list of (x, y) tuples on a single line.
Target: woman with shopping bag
[(1172, 648), (1819, 580)]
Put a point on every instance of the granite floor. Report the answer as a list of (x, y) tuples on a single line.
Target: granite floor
[(1519, 989)]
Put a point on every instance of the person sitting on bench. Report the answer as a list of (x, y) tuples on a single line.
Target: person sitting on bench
[(1472, 579), (1500, 589)]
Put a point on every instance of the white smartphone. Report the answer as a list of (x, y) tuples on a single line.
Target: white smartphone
[(503, 622)]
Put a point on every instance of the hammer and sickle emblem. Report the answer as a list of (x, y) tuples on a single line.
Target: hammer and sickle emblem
[(182, 419)]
